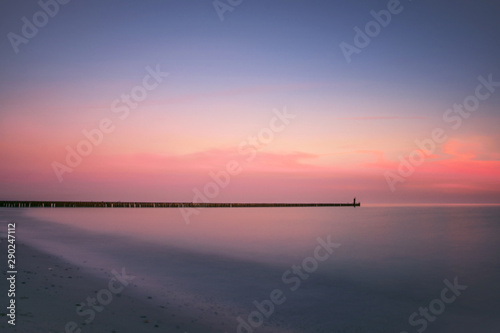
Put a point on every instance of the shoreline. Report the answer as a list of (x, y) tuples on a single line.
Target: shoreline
[(50, 289)]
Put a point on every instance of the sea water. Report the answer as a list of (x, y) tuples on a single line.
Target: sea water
[(391, 269)]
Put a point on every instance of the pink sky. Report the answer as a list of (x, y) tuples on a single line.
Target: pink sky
[(181, 94), (154, 155)]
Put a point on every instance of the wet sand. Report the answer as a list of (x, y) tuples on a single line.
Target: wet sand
[(49, 290)]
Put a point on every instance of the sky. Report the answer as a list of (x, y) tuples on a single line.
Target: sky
[(250, 101)]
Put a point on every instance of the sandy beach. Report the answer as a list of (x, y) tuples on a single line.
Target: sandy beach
[(50, 289), (52, 292)]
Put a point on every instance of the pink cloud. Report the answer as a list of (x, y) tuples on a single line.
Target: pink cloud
[(384, 118)]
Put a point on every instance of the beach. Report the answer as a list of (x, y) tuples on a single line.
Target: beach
[(50, 289)]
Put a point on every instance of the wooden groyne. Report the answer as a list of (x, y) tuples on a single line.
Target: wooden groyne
[(131, 204)]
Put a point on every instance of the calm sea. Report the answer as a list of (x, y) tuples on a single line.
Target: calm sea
[(387, 271)]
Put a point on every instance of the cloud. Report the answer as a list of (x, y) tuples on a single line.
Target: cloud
[(473, 149), (384, 118)]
